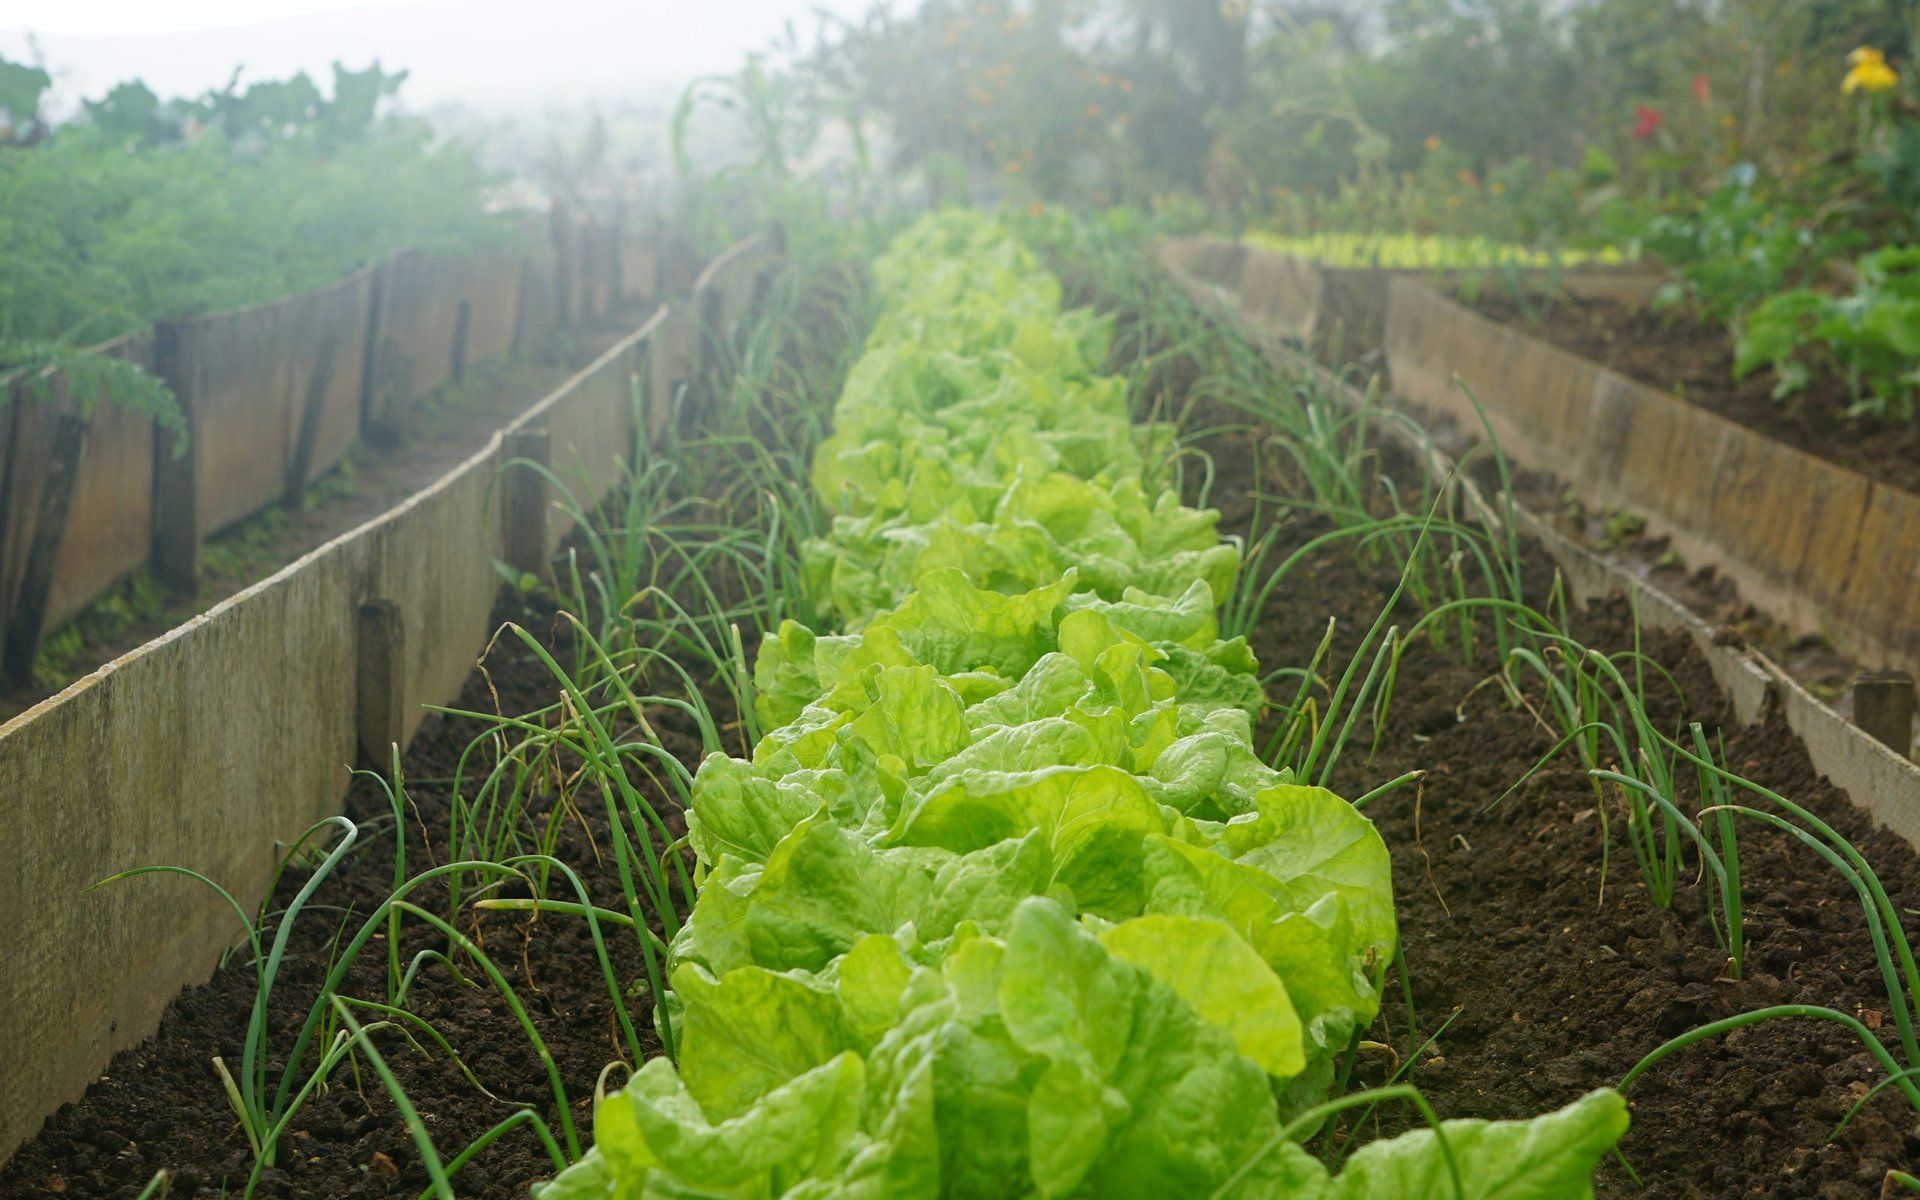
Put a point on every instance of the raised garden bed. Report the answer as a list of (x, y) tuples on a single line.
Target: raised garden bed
[(160, 1104), (1340, 312), (1560, 984), (1560, 969), (1823, 548), (1541, 983), (1693, 359), (203, 747), (435, 436)]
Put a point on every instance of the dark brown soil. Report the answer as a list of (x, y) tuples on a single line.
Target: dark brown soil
[(1560, 987), (1553, 986), (1694, 359), (161, 1105)]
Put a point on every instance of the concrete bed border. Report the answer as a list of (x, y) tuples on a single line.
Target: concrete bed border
[(1881, 782), (1822, 548), (1340, 313), (236, 731)]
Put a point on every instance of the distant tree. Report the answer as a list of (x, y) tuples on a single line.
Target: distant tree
[(21, 88), (356, 98), (131, 112)]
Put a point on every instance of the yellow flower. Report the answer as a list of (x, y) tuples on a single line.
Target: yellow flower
[(1868, 72), (1433, 142)]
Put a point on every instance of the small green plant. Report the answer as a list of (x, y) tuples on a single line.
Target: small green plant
[(1734, 247), (265, 1097), (265, 1107), (1870, 339), (1424, 252)]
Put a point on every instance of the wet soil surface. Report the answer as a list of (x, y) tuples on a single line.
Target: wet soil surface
[(1554, 981), (1670, 349)]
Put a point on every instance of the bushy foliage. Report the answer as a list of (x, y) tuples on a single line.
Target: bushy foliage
[(99, 236), (1870, 339), (145, 211), (1507, 118)]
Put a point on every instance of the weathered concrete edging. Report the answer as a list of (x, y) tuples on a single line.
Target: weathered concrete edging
[(1339, 314), (1823, 548), (236, 731), (1878, 780)]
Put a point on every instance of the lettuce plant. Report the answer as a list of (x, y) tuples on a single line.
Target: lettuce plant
[(1005, 903)]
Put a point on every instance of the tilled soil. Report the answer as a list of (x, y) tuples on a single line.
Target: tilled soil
[(161, 1104), (1556, 985), (1694, 359)]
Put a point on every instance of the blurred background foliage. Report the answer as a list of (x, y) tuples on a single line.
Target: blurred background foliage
[(143, 208), (1513, 118), (1746, 143)]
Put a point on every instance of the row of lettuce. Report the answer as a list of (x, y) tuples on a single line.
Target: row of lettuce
[(1006, 904)]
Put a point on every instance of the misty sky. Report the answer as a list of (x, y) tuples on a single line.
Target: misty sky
[(491, 53)]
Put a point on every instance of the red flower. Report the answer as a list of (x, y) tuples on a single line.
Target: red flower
[(1702, 89), (1645, 121)]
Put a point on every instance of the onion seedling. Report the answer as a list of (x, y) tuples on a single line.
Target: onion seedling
[(440, 1174), (1896, 1075), (263, 1115)]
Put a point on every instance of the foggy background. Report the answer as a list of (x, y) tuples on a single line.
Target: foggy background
[(491, 56), (547, 94)]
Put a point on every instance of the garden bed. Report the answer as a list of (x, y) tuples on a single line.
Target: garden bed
[(1501, 916), (1558, 988), (1558, 973), (1693, 359), (433, 436), (1553, 986), (1502, 920), (160, 1105)]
